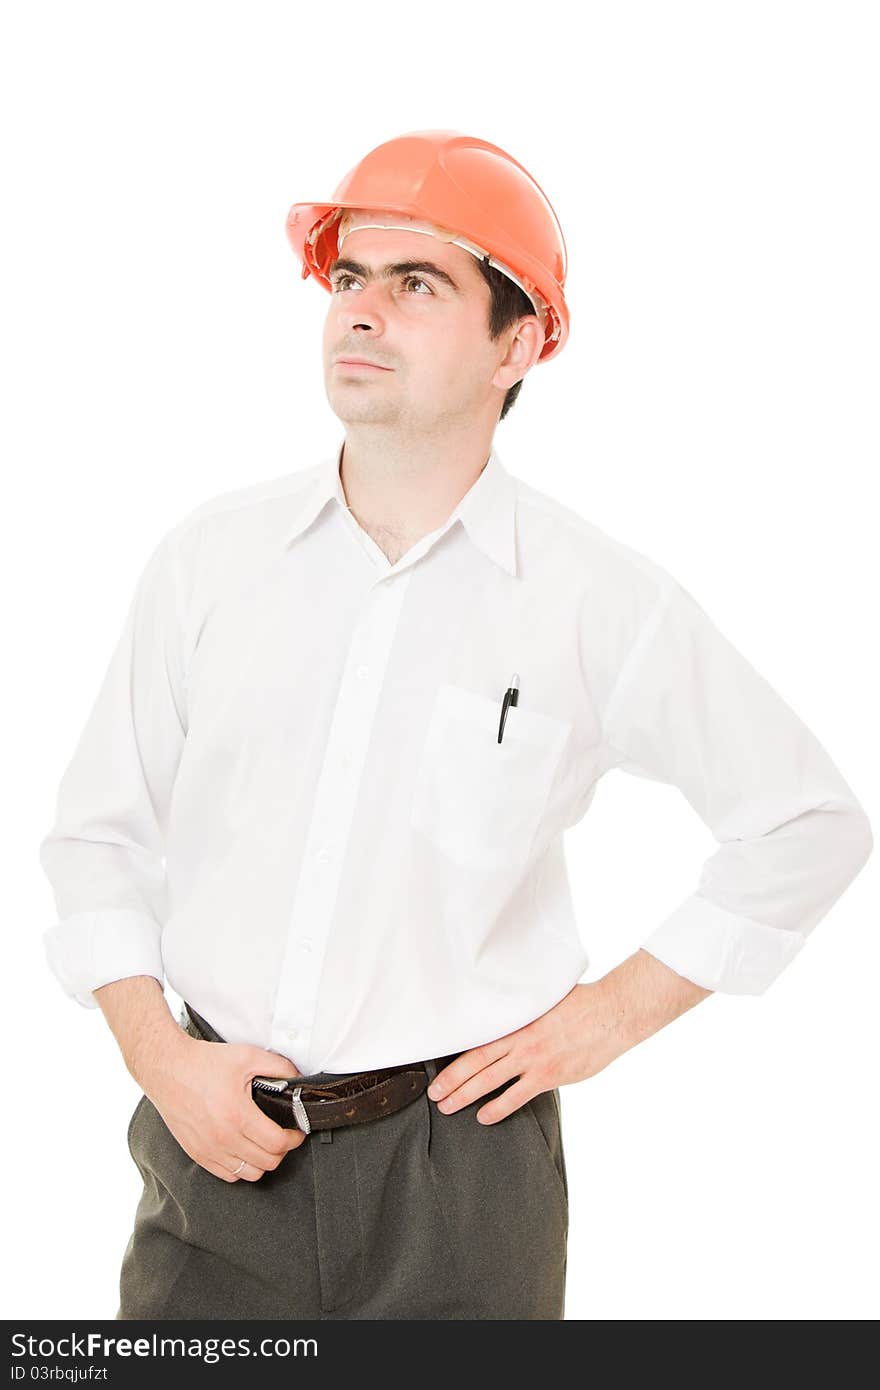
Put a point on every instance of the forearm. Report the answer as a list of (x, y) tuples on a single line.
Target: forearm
[(142, 1023), (641, 995)]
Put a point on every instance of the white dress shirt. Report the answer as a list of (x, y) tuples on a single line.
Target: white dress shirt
[(290, 800)]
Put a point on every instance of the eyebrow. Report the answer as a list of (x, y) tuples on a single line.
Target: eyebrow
[(395, 268)]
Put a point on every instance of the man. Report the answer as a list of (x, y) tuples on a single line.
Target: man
[(324, 791)]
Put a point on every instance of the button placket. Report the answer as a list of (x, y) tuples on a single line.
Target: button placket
[(335, 797)]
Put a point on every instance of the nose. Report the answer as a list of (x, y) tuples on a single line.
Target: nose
[(361, 307)]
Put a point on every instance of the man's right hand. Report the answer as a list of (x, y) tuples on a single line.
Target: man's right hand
[(205, 1099), (201, 1089)]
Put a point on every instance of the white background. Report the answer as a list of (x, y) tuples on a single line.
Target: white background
[(714, 168)]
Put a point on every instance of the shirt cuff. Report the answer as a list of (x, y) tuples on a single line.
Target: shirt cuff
[(90, 949), (720, 950)]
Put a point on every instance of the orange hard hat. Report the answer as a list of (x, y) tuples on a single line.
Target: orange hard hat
[(460, 188)]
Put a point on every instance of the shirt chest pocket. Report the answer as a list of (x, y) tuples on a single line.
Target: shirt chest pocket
[(479, 801)]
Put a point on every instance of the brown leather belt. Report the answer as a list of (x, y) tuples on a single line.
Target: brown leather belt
[(300, 1103)]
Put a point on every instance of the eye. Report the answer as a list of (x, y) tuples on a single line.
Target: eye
[(341, 280)]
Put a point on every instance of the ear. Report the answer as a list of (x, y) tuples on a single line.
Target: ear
[(523, 351)]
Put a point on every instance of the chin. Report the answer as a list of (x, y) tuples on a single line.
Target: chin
[(351, 411)]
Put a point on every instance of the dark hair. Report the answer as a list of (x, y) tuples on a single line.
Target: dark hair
[(509, 303)]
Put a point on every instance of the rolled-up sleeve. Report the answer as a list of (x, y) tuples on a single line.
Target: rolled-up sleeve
[(688, 709), (104, 855)]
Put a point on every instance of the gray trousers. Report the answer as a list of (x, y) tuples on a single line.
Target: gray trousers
[(412, 1215)]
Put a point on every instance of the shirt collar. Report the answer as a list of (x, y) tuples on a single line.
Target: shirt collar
[(487, 510)]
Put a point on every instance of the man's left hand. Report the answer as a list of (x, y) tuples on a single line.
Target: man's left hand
[(590, 1026)]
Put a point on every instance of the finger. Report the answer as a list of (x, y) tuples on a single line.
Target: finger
[(224, 1166), (479, 1084), (251, 1172), (218, 1170), (243, 1147), (263, 1062), (266, 1134), (281, 1144), (467, 1065), (510, 1099)]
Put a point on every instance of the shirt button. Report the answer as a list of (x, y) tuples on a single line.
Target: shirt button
[(305, 945), (292, 1034), (346, 760), (323, 855), (362, 672)]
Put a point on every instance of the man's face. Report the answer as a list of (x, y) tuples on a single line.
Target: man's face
[(431, 336)]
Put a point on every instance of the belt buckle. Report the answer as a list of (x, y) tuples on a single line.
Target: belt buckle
[(299, 1111)]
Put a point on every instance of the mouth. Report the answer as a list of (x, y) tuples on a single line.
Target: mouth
[(351, 366)]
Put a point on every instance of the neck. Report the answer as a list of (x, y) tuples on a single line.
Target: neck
[(402, 492)]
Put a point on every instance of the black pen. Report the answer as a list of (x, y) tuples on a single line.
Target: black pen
[(511, 697)]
